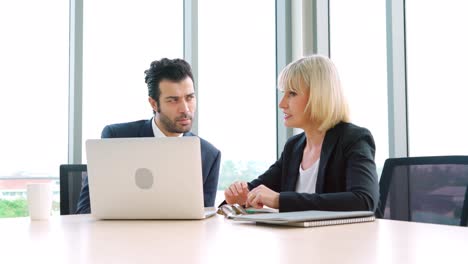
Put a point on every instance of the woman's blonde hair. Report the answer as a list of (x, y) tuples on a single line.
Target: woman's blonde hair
[(327, 104)]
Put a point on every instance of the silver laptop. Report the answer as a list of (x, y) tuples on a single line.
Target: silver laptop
[(146, 178)]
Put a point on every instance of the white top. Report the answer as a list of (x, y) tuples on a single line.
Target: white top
[(307, 179), (157, 132)]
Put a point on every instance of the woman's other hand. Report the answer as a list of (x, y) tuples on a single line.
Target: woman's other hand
[(262, 195), (236, 193)]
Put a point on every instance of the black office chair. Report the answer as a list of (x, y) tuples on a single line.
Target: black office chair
[(71, 177), (425, 189)]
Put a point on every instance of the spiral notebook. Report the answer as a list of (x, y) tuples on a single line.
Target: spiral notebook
[(308, 218)]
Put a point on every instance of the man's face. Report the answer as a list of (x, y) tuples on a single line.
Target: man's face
[(176, 108)]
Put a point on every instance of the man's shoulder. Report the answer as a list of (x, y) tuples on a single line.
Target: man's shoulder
[(127, 129), (206, 146), (131, 124)]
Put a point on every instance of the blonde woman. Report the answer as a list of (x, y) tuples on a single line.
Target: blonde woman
[(330, 166)]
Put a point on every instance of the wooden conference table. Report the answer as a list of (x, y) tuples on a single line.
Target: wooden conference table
[(82, 239)]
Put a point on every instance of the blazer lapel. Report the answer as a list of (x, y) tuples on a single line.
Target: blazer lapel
[(147, 129), (188, 134), (293, 170), (328, 145)]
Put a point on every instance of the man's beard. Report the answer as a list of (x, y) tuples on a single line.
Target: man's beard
[(171, 126)]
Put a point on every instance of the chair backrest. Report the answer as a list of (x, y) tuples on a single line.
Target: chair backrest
[(425, 189), (71, 177)]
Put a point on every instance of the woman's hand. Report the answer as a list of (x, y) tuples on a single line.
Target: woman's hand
[(236, 193), (262, 195)]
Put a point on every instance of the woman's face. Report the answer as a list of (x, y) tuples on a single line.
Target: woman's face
[(293, 105)]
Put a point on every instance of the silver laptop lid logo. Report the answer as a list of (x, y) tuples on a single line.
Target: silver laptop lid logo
[(144, 178)]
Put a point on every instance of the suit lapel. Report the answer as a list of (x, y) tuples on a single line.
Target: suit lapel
[(328, 145), (147, 129), (188, 134), (296, 158)]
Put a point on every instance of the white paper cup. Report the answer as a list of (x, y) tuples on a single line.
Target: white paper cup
[(39, 200)]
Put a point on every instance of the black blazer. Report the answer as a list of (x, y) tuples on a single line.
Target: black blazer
[(347, 177), (210, 155)]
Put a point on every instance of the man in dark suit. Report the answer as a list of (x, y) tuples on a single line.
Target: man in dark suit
[(172, 98)]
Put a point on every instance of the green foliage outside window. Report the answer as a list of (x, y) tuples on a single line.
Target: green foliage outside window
[(19, 208), (14, 208), (232, 171)]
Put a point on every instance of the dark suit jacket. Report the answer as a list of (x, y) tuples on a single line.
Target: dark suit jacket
[(346, 180), (210, 160)]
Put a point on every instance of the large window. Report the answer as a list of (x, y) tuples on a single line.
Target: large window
[(119, 44), (237, 91), (33, 96), (437, 89), (358, 48)]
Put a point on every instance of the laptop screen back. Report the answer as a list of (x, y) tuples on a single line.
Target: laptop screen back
[(145, 178)]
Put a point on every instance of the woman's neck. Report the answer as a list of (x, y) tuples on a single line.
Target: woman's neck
[(312, 149), (314, 138)]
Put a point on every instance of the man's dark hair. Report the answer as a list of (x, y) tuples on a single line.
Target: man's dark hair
[(174, 70)]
